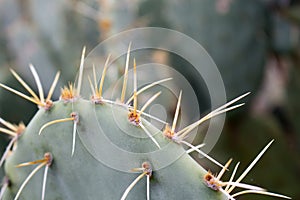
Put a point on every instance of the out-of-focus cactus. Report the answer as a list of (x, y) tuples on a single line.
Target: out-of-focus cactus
[(78, 168), (233, 32)]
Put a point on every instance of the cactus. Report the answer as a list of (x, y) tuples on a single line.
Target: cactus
[(85, 168), (216, 25)]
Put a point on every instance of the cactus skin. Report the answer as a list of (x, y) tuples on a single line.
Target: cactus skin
[(84, 177)]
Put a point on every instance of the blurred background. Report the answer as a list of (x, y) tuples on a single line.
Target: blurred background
[(254, 43)]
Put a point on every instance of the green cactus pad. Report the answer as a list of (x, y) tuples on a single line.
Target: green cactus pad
[(90, 174)]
